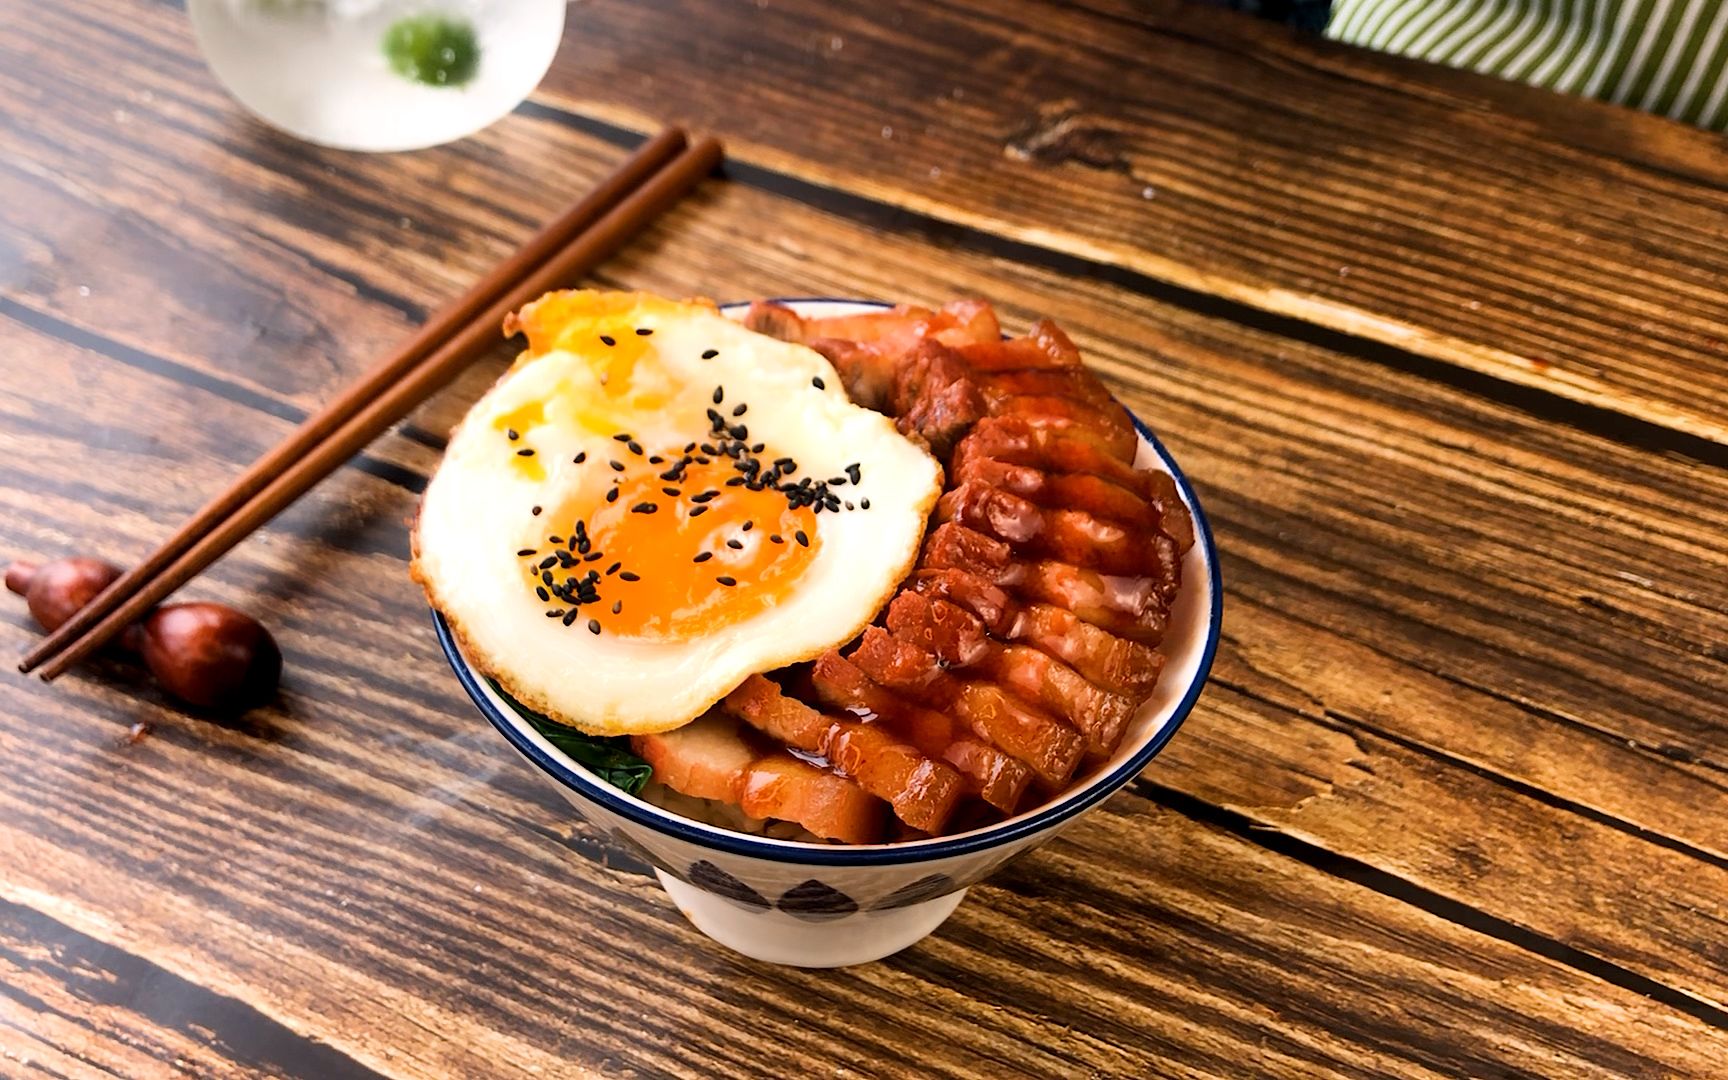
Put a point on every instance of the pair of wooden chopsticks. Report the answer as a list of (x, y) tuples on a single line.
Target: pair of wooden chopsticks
[(647, 184)]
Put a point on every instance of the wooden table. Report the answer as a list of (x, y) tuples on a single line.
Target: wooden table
[(1443, 356)]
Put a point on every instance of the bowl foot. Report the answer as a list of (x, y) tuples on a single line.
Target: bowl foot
[(781, 938)]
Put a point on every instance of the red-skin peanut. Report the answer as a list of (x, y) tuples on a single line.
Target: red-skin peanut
[(205, 654), (54, 590), (211, 656)]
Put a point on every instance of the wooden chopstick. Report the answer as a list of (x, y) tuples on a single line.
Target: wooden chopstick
[(191, 550), (557, 235)]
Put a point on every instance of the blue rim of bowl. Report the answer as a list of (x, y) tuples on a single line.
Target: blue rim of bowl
[(709, 836)]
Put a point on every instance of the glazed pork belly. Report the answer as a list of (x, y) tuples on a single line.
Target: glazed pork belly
[(709, 758), (1013, 658)]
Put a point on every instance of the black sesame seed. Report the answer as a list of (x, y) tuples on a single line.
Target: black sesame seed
[(719, 394), (629, 576), (555, 613), (579, 458), (672, 491), (623, 436), (612, 496), (593, 555), (738, 431), (548, 561), (607, 339), (643, 331), (512, 434), (801, 538), (735, 481), (644, 508), (703, 557), (554, 539), (593, 626), (540, 591), (635, 448), (525, 452), (546, 576), (818, 383), (617, 606), (689, 447), (735, 545), (704, 496), (656, 459), (740, 409), (571, 616), (613, 569), (524, 552), (709, 354), (617, 466), (719, 423), (758, 448), (748, 525), (699, 511), (865, 505), (855, 472), (703, 461), (849, 505), (727, 581), (777, 538)]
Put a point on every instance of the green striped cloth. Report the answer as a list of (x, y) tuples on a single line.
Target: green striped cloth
[(1665, 56)]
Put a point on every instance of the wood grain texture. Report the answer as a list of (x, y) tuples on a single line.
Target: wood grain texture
[(1435, 215), (1453, 805)]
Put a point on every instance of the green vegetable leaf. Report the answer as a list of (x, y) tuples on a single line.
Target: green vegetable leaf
[(433, 50), (610, 758)]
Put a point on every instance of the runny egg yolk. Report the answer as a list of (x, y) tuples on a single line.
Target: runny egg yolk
[(748, 544)]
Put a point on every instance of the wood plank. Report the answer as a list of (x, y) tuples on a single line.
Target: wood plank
[(1357, 193), (1473, 815), (73, 1006), (1534, 713), (799, 264), (281, 884), (1315, 556)]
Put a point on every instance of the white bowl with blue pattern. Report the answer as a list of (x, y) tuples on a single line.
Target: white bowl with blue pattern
[(826, 905)]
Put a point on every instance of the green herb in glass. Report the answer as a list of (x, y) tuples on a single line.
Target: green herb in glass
[(433, 50), (609, 758)]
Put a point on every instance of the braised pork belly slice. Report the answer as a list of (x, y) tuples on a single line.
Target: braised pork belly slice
[(1066, 535), (1062, 491), (866, 348), (1115, 664), (1124, 667), (922, 792), (988, 774), (957, 638), (1013, 441), (1134, 607), (781, 787), (709, 758), (1049, 746)]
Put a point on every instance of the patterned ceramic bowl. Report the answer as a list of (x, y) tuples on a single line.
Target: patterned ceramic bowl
[(816, 905)]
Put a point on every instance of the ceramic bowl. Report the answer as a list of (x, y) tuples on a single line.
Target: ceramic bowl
[(816, 905)]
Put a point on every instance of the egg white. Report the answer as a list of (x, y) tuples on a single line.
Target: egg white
[(477, 511)]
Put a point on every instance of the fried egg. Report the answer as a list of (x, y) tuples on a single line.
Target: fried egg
[(655, 503)]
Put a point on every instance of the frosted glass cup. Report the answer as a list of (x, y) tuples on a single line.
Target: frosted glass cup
[(378, 74)]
